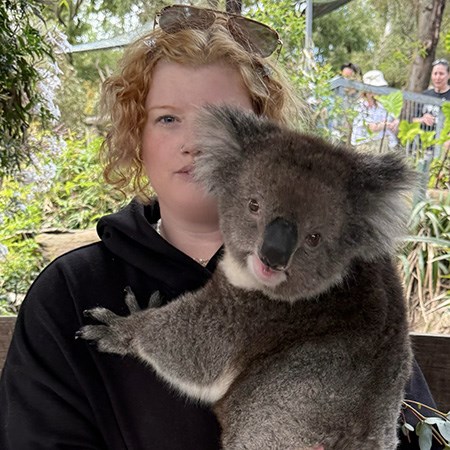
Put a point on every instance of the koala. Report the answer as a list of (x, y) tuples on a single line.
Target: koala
[(300, 337)]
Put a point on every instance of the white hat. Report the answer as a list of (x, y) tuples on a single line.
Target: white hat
[(374, 78)]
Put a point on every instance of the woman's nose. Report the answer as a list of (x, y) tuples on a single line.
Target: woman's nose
[(189, 149)]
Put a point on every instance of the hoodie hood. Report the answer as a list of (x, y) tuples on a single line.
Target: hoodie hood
[(130, 235)]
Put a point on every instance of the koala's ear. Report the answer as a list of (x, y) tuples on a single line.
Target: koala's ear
[(381, 188), (221, 133)]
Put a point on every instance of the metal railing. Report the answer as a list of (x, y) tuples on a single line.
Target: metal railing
[(413, 102)]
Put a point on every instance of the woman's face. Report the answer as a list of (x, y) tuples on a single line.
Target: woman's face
[(175, 96), (439, 77)]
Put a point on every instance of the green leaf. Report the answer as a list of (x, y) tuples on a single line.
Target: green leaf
[(444, 429), (408, 131), (434, 420), (393, 103), (447, 42), (425, 433), (428, 139), (428, 240), (442, 257)]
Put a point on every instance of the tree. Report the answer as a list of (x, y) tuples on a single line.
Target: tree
[(430, 14), (350, 30), (23, 47), (399, 37)]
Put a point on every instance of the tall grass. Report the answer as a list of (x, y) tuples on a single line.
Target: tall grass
[(425, 264)]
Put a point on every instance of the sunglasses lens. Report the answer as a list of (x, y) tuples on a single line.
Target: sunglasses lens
[(178, 18), (443, 62), (254, 36)]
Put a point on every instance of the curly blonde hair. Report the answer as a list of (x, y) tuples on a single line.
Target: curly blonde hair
[(124, 94)]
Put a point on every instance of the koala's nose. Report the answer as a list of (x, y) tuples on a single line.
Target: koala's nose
[(280, 240)]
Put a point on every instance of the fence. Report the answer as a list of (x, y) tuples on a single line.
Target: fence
[(413, 103)]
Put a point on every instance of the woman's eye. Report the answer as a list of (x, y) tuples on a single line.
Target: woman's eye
[(166, 119), (253, 205), (313, 240)]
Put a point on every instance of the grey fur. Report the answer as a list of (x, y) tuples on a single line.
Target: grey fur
[(319, 352)]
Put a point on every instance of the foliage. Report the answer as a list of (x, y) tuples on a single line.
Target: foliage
[(380, 34), (392, 103), (75, 201), (331, 115), (79, 197), (23, 48), (427, 428), (289, 22), (425, 260), (77, 99), (344, 33), (440, 171), (81, 19), (410, 133), (19, 268), (447, 42)]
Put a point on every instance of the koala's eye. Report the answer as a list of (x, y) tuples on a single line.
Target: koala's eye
[(313, 239), (253, 205)]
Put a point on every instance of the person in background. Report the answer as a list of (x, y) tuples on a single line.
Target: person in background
[(350, 71), (373, 128), (340, 124), (60, 393), (440, 89), (428, 115)]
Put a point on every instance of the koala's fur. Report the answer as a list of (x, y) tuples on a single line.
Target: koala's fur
[(300, 336)]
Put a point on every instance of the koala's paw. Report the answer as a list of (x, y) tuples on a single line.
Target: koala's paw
[(113, 336)]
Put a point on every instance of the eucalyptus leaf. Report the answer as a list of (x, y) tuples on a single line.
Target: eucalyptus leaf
[(434, 420), (444, 429), (425, 433)]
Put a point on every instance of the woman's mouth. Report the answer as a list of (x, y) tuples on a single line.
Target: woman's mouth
[(186, 172)]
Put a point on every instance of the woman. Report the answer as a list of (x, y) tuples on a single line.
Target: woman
[(59, 393), (373, 128), (440, 75), (441, 89), (350, 71)]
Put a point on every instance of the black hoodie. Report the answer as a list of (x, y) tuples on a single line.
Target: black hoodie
[(60, 393)]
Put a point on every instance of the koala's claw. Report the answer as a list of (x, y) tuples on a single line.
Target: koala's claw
[(107, 338), (131, 301), (155, 300), (102, 315), (112, 336), (92, 332)]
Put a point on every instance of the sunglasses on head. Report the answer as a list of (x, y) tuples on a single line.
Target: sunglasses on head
[(442, 61), (253, 36)]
